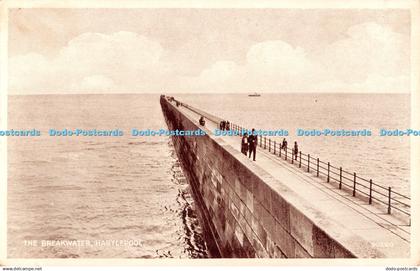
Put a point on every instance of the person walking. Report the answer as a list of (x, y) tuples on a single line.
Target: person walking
[(253, 142), (284, 144), (244, 144), (295, 150), (202, 121)]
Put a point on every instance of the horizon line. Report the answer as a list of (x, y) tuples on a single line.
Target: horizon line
[(200, 93)]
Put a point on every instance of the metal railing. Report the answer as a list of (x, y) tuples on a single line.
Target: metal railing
[(346, 180)]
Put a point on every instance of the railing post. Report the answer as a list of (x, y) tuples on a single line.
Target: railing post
[(328, 174), (292, 157), (269, 145), (389, 200), (317, 167), (265, 143), (274, 147), (309, 159), (354, 184), (341, 177), (279, 149), (370, 191), (300, 158), (260, 140)]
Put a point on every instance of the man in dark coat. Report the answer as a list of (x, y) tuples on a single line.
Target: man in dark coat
[(253, 142)]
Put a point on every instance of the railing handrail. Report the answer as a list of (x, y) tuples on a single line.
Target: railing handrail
[(356, 181), (346, 175)]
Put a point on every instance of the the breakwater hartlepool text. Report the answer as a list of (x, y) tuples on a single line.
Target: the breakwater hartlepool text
[(165, 132)]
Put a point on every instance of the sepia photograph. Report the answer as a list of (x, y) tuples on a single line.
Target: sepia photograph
[(201, 131)]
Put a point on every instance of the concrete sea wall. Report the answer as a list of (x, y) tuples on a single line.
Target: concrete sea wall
[(246, 213)]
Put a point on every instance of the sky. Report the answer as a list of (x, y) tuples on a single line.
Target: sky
[(208, 50)]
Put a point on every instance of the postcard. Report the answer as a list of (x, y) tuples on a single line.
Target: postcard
[(201, 132)]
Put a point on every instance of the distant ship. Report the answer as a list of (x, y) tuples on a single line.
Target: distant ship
[(254, 95)]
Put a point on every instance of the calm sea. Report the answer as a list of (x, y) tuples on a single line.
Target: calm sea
[(97, 188), (132, 188)]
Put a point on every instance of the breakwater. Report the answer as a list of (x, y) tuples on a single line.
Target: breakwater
[(250, 213)]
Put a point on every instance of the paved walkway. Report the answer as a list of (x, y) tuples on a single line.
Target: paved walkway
[(386, 232)]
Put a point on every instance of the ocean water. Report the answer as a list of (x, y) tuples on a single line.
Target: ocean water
[(384, 159), (132, 188), (96, 188)]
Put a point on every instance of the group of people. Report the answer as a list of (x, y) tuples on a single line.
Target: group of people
[(295, 149), (172, 99), (249, 143), (224, 125)]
